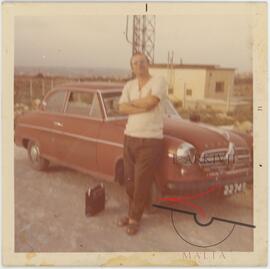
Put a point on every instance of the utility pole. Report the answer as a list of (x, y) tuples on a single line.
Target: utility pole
[(170, 68), (229, 93)]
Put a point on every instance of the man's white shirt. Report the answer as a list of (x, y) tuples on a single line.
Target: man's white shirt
[(147, 124)]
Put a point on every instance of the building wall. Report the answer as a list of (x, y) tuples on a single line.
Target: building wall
[(194, 86), (164, 72), (189, 84), (191, 80), (215, 77)]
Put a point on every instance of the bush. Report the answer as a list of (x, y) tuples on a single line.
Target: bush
[(215, 117)]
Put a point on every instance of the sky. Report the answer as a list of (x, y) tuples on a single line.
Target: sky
[(100, 41)]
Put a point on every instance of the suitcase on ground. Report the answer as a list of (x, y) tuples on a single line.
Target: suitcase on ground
[(94, 200)]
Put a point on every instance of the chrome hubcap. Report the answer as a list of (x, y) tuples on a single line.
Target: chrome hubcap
[(34, 152)]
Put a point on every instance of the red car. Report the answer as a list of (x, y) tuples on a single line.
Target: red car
[(78, 126)]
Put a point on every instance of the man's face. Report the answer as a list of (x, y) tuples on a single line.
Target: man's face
[(139, 65)]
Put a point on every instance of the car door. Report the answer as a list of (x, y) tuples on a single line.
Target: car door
[(80, 126), (111, 135), (50, 116)]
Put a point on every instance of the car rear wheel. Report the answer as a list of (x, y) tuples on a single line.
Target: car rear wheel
[(37, 162)]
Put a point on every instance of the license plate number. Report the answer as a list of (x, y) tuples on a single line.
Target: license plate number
[(233, 188)]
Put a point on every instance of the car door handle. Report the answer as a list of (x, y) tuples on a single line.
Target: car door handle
[(57, 123)]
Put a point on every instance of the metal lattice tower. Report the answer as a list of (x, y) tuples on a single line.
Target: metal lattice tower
[(144, 35)]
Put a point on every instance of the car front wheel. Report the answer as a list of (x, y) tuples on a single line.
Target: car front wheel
[(37, 162)]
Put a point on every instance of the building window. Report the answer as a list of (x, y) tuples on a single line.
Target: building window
[(219, 87), (189, 92)]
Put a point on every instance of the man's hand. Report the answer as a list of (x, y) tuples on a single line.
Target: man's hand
[(128, 108), (148, 102), (139, 105)]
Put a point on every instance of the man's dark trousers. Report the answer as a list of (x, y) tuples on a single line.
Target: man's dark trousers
[(141, 161)]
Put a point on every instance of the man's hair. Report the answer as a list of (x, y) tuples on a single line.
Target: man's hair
[(139, 53)]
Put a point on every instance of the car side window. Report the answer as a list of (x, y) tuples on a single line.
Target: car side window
[(95, 109), (111, 102), (55, 101), (80, 103)]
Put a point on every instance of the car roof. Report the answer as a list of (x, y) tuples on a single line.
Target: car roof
[(92, 86)]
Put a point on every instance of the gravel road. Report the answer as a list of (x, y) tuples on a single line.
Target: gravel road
[(49, 217)]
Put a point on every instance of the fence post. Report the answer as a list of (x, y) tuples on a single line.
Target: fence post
[(43, 88), (31, 90), (184, 97)]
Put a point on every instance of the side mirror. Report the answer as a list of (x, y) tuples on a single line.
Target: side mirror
[(195, 117)]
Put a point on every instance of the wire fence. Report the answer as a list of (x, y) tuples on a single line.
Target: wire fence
[(28, 89)]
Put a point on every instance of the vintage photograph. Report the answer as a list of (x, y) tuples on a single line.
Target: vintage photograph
[(134, 133)]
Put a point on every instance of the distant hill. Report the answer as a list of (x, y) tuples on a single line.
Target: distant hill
[(71, 71)]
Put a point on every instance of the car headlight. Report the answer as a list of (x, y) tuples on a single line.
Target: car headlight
[(185, 154)]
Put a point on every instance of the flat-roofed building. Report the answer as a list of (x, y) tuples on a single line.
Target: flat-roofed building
[(198, 84)]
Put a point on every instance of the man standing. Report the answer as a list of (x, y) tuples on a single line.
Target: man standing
[(142, 100)]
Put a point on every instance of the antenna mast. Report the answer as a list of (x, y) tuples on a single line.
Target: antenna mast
[(143, 39)]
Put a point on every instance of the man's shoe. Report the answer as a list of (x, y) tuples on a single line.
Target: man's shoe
[(133, 228)]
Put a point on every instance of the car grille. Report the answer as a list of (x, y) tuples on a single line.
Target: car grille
[(216, 159)]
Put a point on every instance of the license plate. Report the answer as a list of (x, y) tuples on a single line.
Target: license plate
[(233, 188)]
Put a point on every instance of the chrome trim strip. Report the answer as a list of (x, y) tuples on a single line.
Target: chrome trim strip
[(217, 150), (72, 87), (173, 108), (243, 156), (103, 105), (241, 159), (66, 100), (101, 141), (231, 172), (39, 128), (117, 118), (69, 115), (217, 165), (236, 171), (112, 90)]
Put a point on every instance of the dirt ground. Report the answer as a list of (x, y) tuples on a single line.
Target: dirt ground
[(50, 217)]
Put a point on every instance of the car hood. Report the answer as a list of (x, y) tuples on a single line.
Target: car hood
[(202, 136)]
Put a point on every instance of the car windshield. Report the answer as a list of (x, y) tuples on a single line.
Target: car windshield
[(111, 100)]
